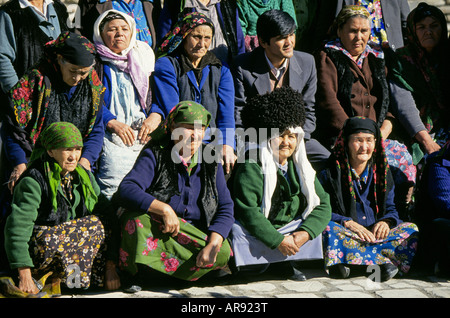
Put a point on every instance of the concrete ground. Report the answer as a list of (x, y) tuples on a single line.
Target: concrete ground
[(269, 286)]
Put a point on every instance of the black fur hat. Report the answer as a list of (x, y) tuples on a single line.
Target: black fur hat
[(280, 109)]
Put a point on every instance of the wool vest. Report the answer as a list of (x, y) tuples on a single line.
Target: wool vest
[(346, 80), (165, 184), (47, 216), (208, 96)]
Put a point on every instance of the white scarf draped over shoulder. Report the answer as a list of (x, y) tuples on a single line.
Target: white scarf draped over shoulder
[(303, 168), (138, 59)]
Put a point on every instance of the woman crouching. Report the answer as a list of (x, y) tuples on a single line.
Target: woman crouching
[(51, 227)]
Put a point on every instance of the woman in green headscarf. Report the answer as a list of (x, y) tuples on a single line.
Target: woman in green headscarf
[(178, 208), (51, 227)]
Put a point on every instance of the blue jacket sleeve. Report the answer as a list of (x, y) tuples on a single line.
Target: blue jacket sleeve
[(8, 75), (107, 115), (94, 141), (225, 114), (166, 93), (224, 218), (14, 153)]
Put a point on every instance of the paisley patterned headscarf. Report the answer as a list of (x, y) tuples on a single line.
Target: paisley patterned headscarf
[(378, 163), (180, 31), (185, 112), (55, 136)]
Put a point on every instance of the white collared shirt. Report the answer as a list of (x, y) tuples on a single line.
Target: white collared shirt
[(283, 168), (26, 3), (277, 72)]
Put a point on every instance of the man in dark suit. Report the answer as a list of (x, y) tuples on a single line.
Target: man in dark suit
[(273, 64)]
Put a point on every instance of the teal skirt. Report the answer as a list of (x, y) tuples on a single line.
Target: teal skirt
[(143, 242)]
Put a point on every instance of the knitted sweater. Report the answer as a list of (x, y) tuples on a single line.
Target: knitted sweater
[(20, 223), (287, 204), (250, 10)]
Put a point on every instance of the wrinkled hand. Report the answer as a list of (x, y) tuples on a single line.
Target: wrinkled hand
[(207, 256), (171, 223), (386, 129), (301, 237), (85, 163), (122, 130), (112, 280), (363, 233), (381, 230), (288, 247), (149, 125), (15, 174), (228, 158), (431, 147), (26, 283), (425, 140)]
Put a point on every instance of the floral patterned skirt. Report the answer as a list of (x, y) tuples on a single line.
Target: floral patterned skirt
[(144, 242), (343, 246), (72, 251)]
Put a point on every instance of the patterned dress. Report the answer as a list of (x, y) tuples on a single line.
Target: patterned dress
[(345, 247)]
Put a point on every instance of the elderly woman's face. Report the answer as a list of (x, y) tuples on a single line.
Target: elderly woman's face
[(197, 43), (360, 147), (187, 138), (284, 146), (428, 33), (354, 35), (117, 35), (72, 74), (67, 158)]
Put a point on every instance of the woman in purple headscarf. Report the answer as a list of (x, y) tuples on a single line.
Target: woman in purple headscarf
[(126, 66)]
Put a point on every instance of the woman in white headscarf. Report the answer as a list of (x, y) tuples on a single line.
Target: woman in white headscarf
[(280, 207), (127, 64)]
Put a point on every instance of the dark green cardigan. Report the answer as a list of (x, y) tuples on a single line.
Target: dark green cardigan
[(20, 223), (247, 186)]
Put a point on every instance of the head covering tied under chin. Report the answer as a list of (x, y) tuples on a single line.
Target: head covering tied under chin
[(280, 110), (137, 60), (56, 136)]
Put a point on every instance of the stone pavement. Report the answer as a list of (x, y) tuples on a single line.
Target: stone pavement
[(318, 285)]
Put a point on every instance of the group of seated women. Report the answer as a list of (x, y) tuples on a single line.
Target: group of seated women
[(110, 168)]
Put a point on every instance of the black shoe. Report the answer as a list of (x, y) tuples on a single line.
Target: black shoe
[(132, 289), (298, 275), (339, 271), (388, 271)]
